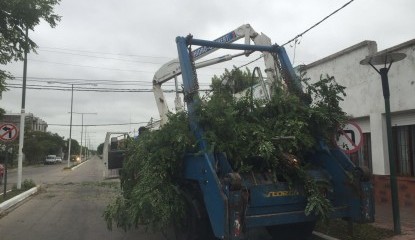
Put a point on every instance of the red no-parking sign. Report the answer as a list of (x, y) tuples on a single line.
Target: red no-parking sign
[(350, 138), (8, 132)]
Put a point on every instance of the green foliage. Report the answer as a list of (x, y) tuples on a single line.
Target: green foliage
[(100, 149), (75, 147), (150, 177), (236, 80), (15, 17), (326, 113), (38, 145), (255, 135), (28, 184)]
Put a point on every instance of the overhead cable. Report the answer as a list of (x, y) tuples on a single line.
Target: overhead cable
[(301, 34), (315, 25)]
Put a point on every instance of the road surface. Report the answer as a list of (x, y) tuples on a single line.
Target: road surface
[(69, 206), (40, 174)]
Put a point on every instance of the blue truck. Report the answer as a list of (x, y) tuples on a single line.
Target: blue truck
[(225, 204)]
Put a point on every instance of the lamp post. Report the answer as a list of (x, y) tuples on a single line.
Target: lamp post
[(70, 129), (385, 59), (70, 122), (82, 127)]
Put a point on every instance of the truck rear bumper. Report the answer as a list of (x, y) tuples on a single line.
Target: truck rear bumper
[(263, 220)]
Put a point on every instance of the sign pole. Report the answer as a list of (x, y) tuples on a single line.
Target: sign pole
[(5, 172)]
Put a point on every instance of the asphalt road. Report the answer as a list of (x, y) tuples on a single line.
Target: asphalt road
[(69, 206), (40, 174)]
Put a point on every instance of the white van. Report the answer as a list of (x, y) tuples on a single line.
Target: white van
[(50, 159)]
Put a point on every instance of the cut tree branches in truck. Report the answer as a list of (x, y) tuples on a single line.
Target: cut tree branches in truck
[(228, 165)]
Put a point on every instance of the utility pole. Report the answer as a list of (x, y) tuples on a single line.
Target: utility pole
[(82, 128), (70, 123), (86, 146), (70, 130), (22, 116)]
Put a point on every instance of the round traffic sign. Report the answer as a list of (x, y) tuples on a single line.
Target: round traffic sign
[(350, 138), (8, 132)]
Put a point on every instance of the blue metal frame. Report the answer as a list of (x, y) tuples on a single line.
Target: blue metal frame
[(348, 197)]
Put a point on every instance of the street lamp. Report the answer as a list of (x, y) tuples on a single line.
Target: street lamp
[(82, 127), (70, 123), (385, 59)]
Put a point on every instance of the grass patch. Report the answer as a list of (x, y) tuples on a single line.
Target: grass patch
[(11, 194), (26, 185), (340, 229)]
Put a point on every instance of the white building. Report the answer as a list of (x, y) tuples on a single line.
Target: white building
[(365, 104), (31, 122)]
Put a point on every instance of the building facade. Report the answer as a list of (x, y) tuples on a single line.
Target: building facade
[(365, 105), (32, 122)]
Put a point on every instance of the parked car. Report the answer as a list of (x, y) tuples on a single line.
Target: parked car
[(50, 159), (58, 160)]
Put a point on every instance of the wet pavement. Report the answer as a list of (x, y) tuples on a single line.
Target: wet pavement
[(384, 219)]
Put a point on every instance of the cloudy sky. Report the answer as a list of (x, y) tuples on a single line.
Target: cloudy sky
[(120, 44)]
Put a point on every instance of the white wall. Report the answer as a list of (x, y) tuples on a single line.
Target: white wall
[(364, 101)]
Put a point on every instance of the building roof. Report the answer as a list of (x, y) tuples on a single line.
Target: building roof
[(371, 45)]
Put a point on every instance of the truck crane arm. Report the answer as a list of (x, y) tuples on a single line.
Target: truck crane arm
[(172, 69)]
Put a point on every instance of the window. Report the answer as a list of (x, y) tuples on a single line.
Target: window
[(404, 149), (363, 157)]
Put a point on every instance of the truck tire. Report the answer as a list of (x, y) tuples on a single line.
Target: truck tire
[(295, 231), (196, 225)]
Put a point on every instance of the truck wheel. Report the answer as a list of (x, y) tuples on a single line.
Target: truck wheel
[(196, 225), (295, 231)]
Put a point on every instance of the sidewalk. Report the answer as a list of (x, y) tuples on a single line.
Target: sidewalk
[(384, 219)]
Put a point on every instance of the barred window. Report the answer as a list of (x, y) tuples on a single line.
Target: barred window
[(363, 157), (404, 149)]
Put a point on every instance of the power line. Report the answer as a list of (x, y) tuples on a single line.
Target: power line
[(88, 66), (92, 81), (94, 125), (301, 34), (82, 89), (246, 64), (110, 58), (315, 25), (79, 89), (106, 53)]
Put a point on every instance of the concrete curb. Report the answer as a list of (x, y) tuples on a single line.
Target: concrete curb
[(324, 236), (79, 165), (4, 206)]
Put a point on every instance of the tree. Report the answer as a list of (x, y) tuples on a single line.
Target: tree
[(75, 147), (100, 149), (16, 17), (38, 145), (236, 79)]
